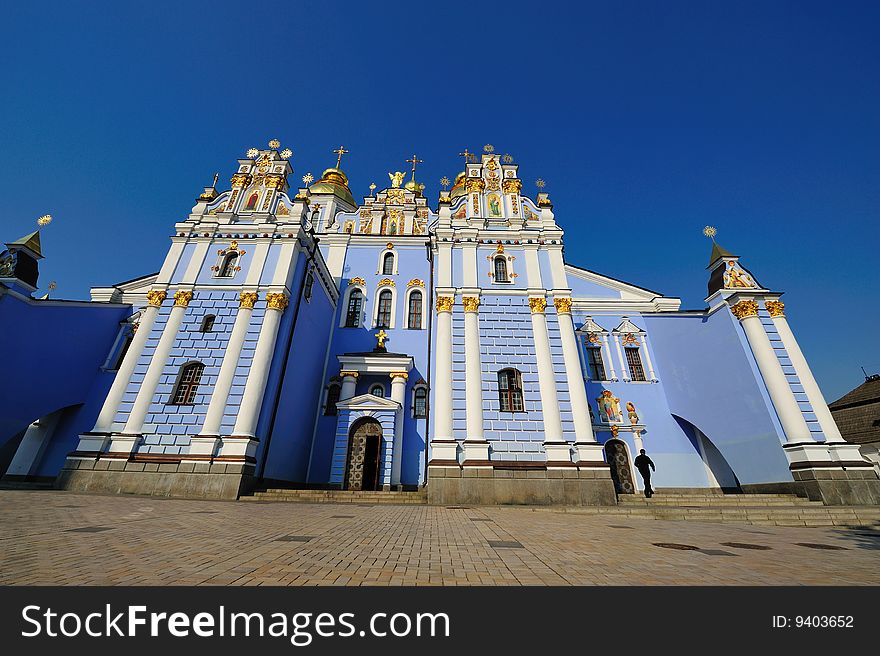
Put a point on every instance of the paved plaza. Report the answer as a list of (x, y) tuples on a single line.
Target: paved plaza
[(51, 537)]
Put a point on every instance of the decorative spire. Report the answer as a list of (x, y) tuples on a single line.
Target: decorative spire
[(445, 182), (340, 152), (718, 252), (372, 188), (308, 178), (274, 144), (414, 161), (468, 157), (489, 149)]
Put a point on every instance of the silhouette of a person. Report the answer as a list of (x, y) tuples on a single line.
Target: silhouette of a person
[(644, 464)]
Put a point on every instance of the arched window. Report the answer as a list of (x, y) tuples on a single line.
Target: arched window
[(252, 201), (414, 316), (501, 269), (388, 264), (378, 390), (510, 390), (332, 399), (229, 262), (307, 288), (420, 402), (207, 323), (188, 383), (355, 307), (634, 360), (383, 316)]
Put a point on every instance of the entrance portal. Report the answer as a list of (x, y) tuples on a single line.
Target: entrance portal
[(618, 461), (364, 448)]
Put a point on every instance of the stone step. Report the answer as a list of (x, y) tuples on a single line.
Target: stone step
[(338, 496)]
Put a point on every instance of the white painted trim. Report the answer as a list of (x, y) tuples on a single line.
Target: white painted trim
[(375, 316), (394, 262), (343, 315), (409, 292)]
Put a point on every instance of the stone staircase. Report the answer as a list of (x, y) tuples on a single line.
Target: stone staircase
[(767, 509), (338, 496)]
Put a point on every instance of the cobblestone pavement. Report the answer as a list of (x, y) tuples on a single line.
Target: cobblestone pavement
[(49, 537)]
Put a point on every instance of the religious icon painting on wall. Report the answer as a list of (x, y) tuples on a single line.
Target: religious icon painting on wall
[(462, 212), (494, 206), (736, 277), (609, 408)]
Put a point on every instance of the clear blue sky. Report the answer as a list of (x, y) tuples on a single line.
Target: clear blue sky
[(648, 120)]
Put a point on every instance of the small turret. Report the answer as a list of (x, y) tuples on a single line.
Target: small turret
[(725, 271), (19, 262)]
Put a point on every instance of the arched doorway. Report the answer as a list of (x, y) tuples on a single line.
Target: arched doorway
[(617, 456), (364, 447)]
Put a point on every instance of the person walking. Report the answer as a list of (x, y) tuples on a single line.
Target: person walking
[(644, 464)]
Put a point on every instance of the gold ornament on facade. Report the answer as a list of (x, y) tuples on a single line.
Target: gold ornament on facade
[(563, 305), (287, 153), (357, 280), (390, 245), (416, 282), (182, 298), (615, 431), (445, 303), (744, 309), (537, 304), (240, 180), (386, 282), (470, 303), (500, 248), (511, 186), (155, 297), (275, 144), (248, 299), (381, 336), (396, 179), (544, 201), (252, 152), (775, 308), (476, 185), (277, 301), (344, 373), (398, 374), (274, 181)]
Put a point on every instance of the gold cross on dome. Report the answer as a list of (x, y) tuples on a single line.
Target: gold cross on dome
[(340, 152), (414, 160), (381, 336), (467, 156)]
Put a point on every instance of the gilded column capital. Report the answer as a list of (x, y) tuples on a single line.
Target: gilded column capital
[(182, 299), (248, 299), (470, 303), (444, 303), (155, 297), (744, 309), (563, 305), (398, 374), (240, 180), (277, 301), (537, 304), (348, 374), (511, 186), (775, 308)]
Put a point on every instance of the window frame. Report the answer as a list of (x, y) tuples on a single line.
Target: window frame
[(378, 307), (388, 263), (500, 259), (378, 386), (205, 327), (228, 260), (634, 364), (417, 390), (409, 308), (347, 314), (588, 351), (191, 386), (507, 394)]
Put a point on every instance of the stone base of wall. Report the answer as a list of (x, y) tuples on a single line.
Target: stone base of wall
[(836, 486), (536, 485), (190, 480)]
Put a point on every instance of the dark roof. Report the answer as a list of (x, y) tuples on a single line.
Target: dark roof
[(718, 252), (857, 413)]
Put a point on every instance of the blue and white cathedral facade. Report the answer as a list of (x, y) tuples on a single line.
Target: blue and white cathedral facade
[(298, 338)]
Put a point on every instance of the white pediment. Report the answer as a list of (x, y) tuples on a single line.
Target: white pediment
[(133, 292), (368, 402), (591, 326), (627, 326)]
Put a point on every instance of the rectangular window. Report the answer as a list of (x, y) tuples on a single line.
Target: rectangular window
[(595, 362), (634, 360)]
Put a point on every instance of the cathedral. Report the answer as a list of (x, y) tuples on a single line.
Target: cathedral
[(298, 338)]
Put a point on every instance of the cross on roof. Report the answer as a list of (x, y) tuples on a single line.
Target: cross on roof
[(467, 156), (340, 152), (414, 160)]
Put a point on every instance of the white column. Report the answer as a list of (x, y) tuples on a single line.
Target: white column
[(104, 424), (555, 446), (608, 357), (258, 375), (475, 445), (790, 415), (206, 442), (127, 442), (398, 394), (624, 371), (577, 390), (799, 362), (443, 445), (349, 384), (648, 361)]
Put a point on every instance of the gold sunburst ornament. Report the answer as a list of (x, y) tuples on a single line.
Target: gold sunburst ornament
[(488, 148), (540, 184), (372, 188), (445, 182), (252, 152), (507, 158), (275, 144), (307, 178), (710, 232), (44, 220), (287, 153)]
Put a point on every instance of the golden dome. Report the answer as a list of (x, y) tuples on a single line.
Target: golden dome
[(458, 187), (334, 181), (414, 187)]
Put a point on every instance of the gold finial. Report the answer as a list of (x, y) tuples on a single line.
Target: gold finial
[(372, 188), (445, 182), (381, 336), (507, 158), (467, 156), (340, 152), (489, 148), (275, 144), (287, 153), (44, 220), (414, 160), (308, 178), (252, 152), (710, 232), (214, 183), (540, 184)]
